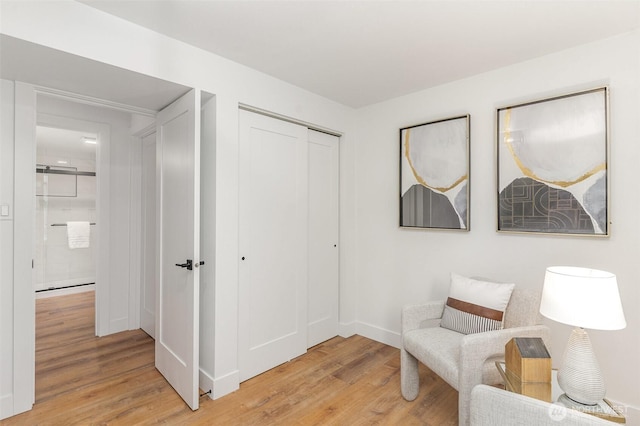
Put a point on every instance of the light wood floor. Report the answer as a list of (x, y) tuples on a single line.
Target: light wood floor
[(82, 379)]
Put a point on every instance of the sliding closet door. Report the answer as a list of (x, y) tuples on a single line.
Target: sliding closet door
[(273, 243), (323, 237)]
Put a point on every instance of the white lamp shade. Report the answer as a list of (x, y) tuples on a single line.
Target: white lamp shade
[(582, 297)]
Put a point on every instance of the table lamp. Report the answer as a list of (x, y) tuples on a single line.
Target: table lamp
[(584, 298)]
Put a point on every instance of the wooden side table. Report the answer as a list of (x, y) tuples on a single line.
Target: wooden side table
[(604, 409)]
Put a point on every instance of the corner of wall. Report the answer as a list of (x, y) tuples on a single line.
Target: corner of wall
[(347, 329), (226, 384), (379, 334)]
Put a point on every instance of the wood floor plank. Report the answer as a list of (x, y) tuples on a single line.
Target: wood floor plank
[(85, 380)]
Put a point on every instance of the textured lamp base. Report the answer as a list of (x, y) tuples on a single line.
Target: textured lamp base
[(580, 376)]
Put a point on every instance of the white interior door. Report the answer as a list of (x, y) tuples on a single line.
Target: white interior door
[(323, 237), (178, 183), (273, 243), (148, 267)]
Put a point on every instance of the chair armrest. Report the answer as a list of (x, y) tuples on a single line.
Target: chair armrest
[(476, 349), (482, 346), (491, 406), (422, 315)]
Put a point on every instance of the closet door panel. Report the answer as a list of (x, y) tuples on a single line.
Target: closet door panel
[(323, 237), (273, 243)]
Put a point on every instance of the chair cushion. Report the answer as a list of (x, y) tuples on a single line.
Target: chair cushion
[(438, 348), (475, 306)]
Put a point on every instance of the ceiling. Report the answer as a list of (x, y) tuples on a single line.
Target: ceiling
[(354, 52), (50, 68), (363, 52)]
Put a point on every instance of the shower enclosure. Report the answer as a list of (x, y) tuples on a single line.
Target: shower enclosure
[(65, 223)]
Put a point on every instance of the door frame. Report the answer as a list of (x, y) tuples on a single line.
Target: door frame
[(141, 214)]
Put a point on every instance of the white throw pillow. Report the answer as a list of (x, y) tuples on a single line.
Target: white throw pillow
[(475, 306)]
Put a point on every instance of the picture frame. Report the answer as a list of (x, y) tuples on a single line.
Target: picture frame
[(553, 165), (434, 174)]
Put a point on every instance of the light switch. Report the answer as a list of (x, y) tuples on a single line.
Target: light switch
[(4, 210)]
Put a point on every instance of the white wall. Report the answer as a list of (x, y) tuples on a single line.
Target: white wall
[(6, 248), (17, 355), (398, 266), (78, 29)]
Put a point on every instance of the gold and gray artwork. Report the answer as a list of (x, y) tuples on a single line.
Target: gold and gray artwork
[(552, 159), (435, 169)]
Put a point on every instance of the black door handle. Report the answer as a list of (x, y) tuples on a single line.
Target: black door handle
[(188, 265)]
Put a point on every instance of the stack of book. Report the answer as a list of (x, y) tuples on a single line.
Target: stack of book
[(528, 367)]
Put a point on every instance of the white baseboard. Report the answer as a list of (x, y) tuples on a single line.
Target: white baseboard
[(6, 406), (205, 382), (65, 291), (225, 385), (10, 407), (119, 324), (347, 329), (379, 334)]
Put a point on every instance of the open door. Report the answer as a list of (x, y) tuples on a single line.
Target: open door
[(178, 224)]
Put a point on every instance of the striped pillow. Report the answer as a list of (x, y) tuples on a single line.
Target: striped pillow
[(475, 306)]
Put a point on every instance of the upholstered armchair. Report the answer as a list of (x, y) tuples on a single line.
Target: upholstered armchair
[(492, 406), (463, 360)]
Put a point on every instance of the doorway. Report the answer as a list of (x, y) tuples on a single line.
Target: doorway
[(79, 192), (27, 77), (90, 129), (118, 216), (65, 224)]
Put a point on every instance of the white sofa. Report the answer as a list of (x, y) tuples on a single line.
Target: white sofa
[(491, 406)]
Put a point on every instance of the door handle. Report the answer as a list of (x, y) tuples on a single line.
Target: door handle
[(188, 265)]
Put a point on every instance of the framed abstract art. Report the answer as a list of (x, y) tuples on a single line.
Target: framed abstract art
[(553, 165), (434, 174)]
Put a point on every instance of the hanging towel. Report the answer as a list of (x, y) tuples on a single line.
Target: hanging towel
[(78, 234)]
